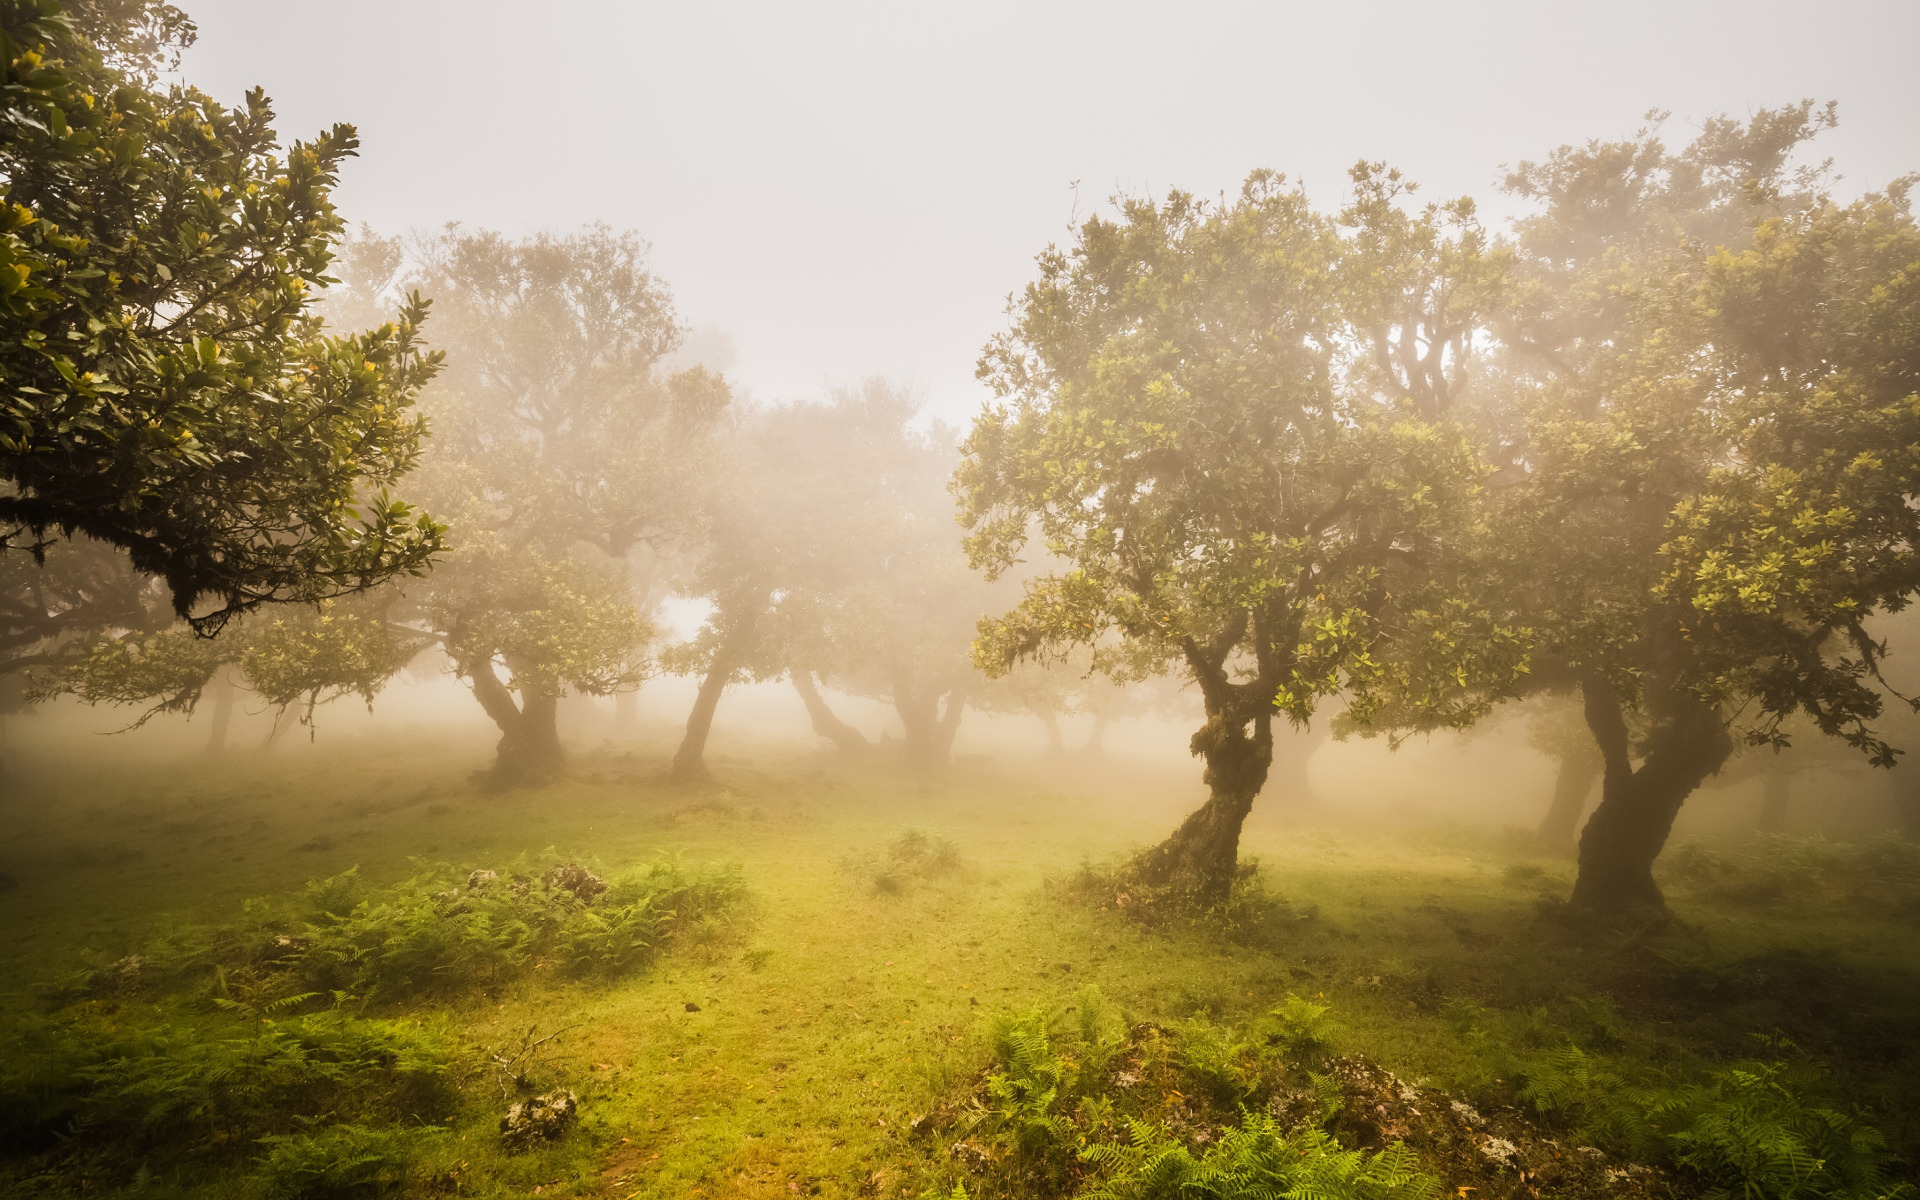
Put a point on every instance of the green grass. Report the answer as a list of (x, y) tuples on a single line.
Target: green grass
[(787, 1043)]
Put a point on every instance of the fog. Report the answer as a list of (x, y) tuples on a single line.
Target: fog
[(854, 189), (998, 602)]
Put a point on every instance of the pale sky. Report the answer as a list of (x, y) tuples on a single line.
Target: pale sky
[(851, 189)]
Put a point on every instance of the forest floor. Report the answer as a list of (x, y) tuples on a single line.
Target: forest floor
[(793, 1043)]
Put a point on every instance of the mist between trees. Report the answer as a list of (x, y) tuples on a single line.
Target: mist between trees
[(1643, 462)]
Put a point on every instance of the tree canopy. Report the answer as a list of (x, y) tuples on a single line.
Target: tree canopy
[(1230, 420), (1709, 381), (164, 385), (562, 447)]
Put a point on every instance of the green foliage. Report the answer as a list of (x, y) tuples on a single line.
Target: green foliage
[(1028, 1098), (306, 655), (1305, 1031), (1752, 1131), (215, 1083), (1759, 1130), (558, 620), (340, 1160), (1158, 373), (440, 933), (1255, 1160), (1881, 875), (1215, 1057), (914, 856), (171, 666), (1065, 1121), (334, 649), (447, 931), (168, 388)]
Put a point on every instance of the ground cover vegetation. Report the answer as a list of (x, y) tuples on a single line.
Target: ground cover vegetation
[(827, 975)]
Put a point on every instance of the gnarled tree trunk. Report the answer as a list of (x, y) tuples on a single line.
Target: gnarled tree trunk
[(825, 723), (529, 752), (930, 728), (1572, 783), (1198, 862), (1637, 807), (690, 760)]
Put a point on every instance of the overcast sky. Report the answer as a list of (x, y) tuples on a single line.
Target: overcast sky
[(853, 188)]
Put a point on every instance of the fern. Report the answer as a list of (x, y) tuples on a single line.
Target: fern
[(1024, 1098), (1751, 1132), (1558, 1082), (1255, 1161), (339, 1160), (1305, 1030), (444, 932), (185, 1083), (1226, 1066)]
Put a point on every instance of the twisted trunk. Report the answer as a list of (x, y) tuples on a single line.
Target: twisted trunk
[(529, 752), (690, 760), (929, 727), (1572, 783), (1637, 807), (825, 723), (1199, 861)]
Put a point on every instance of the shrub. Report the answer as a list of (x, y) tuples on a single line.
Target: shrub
[(197, 1084), (340, 1161), (443, 932), (1305, 1031), (1255, 1159), (1027, 1097), (915, 856), (1752, 1130)]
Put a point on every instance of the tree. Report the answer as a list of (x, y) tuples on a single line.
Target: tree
[(566, 451), (1557, 728), (901, 626), (825, 722), (292, 656), (79, 589), (814, 556), (1714, 369), (551, 621), (1230, 420), (168, 390)]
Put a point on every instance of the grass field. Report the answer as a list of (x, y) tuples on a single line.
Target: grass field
[(835, 1028)]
